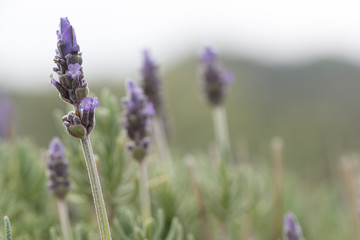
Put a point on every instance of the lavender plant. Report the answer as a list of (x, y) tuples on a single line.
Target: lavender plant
[(73, 89), (151, 83), (59, 182), (215, 81), (137, 123), (291, 228)]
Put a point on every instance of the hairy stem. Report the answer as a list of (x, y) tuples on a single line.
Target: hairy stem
[(222, 133), (162, 145), (96, 189), (64, 219), (144, 192)]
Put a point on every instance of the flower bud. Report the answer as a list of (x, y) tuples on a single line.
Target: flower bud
[(74, 126)]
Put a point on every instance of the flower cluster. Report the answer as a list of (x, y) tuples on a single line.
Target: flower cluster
[(57, 169), (137, 120), (215, 79), (291, 228), (72, 86)]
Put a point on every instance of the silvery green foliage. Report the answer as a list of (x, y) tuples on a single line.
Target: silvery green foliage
[(23, 193), (8, 233), (127, 227)]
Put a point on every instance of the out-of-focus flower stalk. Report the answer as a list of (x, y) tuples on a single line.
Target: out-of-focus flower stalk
[(144, 192), (350, 173), (215, 81), (64, 218), (222, 132), (277, 149), (137, 124), (151, 83), (73, 89), (59, 182)]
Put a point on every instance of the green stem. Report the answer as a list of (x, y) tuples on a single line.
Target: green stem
[(96, 189), (162, 145), (64, 219), (144, 192), (222, 133)]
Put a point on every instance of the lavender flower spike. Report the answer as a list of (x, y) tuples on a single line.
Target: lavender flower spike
[(71, 84), (151, 83), (57, 169), (215, 79), (137, 120), (291, 228)]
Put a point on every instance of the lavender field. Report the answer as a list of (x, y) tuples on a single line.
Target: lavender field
[(211, 145)]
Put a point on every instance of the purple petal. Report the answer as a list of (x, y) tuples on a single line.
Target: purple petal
[(64, 24), (150, 110), (208, 56), (89, 103)]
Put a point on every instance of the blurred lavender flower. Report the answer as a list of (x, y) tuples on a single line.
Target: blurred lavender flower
[(291, 228), (57, 169), (6, 117), (151, 82), (137, 120), (215, 79), (72, 86)]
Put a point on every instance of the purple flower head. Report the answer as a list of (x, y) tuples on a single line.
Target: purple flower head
[(291, 228), (136, 120), (215, 79), (57, 169), (66, 38), (71, 85)]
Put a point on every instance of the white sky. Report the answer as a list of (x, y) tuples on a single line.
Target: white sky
[(112, 34)]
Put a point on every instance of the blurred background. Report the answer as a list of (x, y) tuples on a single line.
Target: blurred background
[(296, 65)]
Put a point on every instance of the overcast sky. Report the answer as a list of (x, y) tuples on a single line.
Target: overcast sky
[(112, 34)]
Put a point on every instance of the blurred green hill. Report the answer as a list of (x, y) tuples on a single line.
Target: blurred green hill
[(313, 106)]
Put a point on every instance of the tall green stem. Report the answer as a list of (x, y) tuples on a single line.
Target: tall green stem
[(222, 133), (64, 219), (144, 192), (162, 145), (96, 189)]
